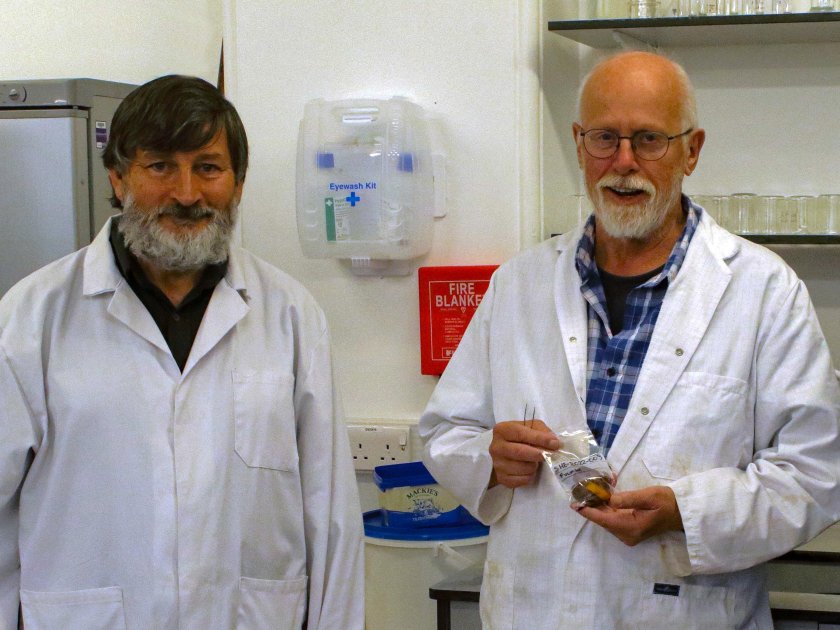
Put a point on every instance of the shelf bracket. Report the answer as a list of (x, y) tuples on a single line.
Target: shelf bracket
[(628, 42)]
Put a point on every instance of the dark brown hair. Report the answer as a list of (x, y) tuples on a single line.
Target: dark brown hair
[(174, 113)]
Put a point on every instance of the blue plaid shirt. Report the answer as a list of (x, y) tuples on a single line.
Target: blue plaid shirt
[(614, 361)]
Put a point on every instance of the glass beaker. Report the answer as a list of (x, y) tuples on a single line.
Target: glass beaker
[(709, 203), (711, 7), (727, 218), (833, 214), (827, 215), (786, 219), (643, 8), (611, 9), (803, 206), (768, 208), (684, 8), (822, 5), (743, 209)]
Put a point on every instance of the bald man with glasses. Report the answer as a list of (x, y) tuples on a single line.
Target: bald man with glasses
[(693, 357)]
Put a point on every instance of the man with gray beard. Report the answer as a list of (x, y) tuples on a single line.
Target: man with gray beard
[(172, 447), (691, 359)]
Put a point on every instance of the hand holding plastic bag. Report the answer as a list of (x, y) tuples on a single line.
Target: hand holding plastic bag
[(582, 470)]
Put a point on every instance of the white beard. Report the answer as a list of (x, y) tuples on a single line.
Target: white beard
[(639, 220), (146, 238)]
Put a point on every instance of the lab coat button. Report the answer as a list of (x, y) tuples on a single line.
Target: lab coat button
[(573, 339), (645, 411), (679, 352)]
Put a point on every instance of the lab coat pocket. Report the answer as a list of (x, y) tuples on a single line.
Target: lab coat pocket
[(699, 607), (275, 604), (264, 416), (702, 425), (91, 609)]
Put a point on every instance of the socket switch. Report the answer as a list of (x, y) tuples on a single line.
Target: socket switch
[(376, 445)]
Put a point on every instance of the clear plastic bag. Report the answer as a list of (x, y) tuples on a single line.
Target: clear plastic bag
[(582, 470)]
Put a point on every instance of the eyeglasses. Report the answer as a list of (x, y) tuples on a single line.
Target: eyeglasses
[(647, 145)]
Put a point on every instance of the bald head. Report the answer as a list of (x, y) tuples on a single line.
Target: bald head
[(636, 76), (637, 137)]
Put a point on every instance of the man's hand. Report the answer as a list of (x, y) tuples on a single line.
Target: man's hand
[(517, 449), (637, 515)]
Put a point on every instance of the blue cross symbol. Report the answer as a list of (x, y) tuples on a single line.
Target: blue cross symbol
[(352, 199)]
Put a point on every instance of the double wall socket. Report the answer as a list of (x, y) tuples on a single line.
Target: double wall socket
[(377, 444)]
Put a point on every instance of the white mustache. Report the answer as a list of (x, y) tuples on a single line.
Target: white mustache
[(627, 182)]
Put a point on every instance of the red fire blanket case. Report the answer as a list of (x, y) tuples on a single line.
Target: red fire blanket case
[(448, 299)]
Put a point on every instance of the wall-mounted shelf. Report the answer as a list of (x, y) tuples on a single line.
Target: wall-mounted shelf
[(793, 239), (718, 30)]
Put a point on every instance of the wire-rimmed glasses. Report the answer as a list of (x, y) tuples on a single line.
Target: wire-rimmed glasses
[(647, 145)]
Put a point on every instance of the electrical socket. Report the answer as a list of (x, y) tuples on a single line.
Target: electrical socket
[(376, 445)]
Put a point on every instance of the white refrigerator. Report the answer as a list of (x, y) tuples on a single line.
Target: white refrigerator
[(55, 191)]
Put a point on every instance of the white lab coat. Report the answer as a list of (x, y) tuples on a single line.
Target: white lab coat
[(136, 496), (736, 409)]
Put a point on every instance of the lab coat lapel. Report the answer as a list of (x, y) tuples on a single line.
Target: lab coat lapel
[(689, 304), (571, 313), (572, 322), (227, 306), (101, 276), (126, 307)]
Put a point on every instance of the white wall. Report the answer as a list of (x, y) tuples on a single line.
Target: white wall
[(131, 42), (471, 63)]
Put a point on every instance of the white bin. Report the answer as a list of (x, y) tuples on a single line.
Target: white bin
[(401, 564)]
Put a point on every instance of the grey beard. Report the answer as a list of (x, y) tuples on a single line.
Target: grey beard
[(641, 220), (146, 238)]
